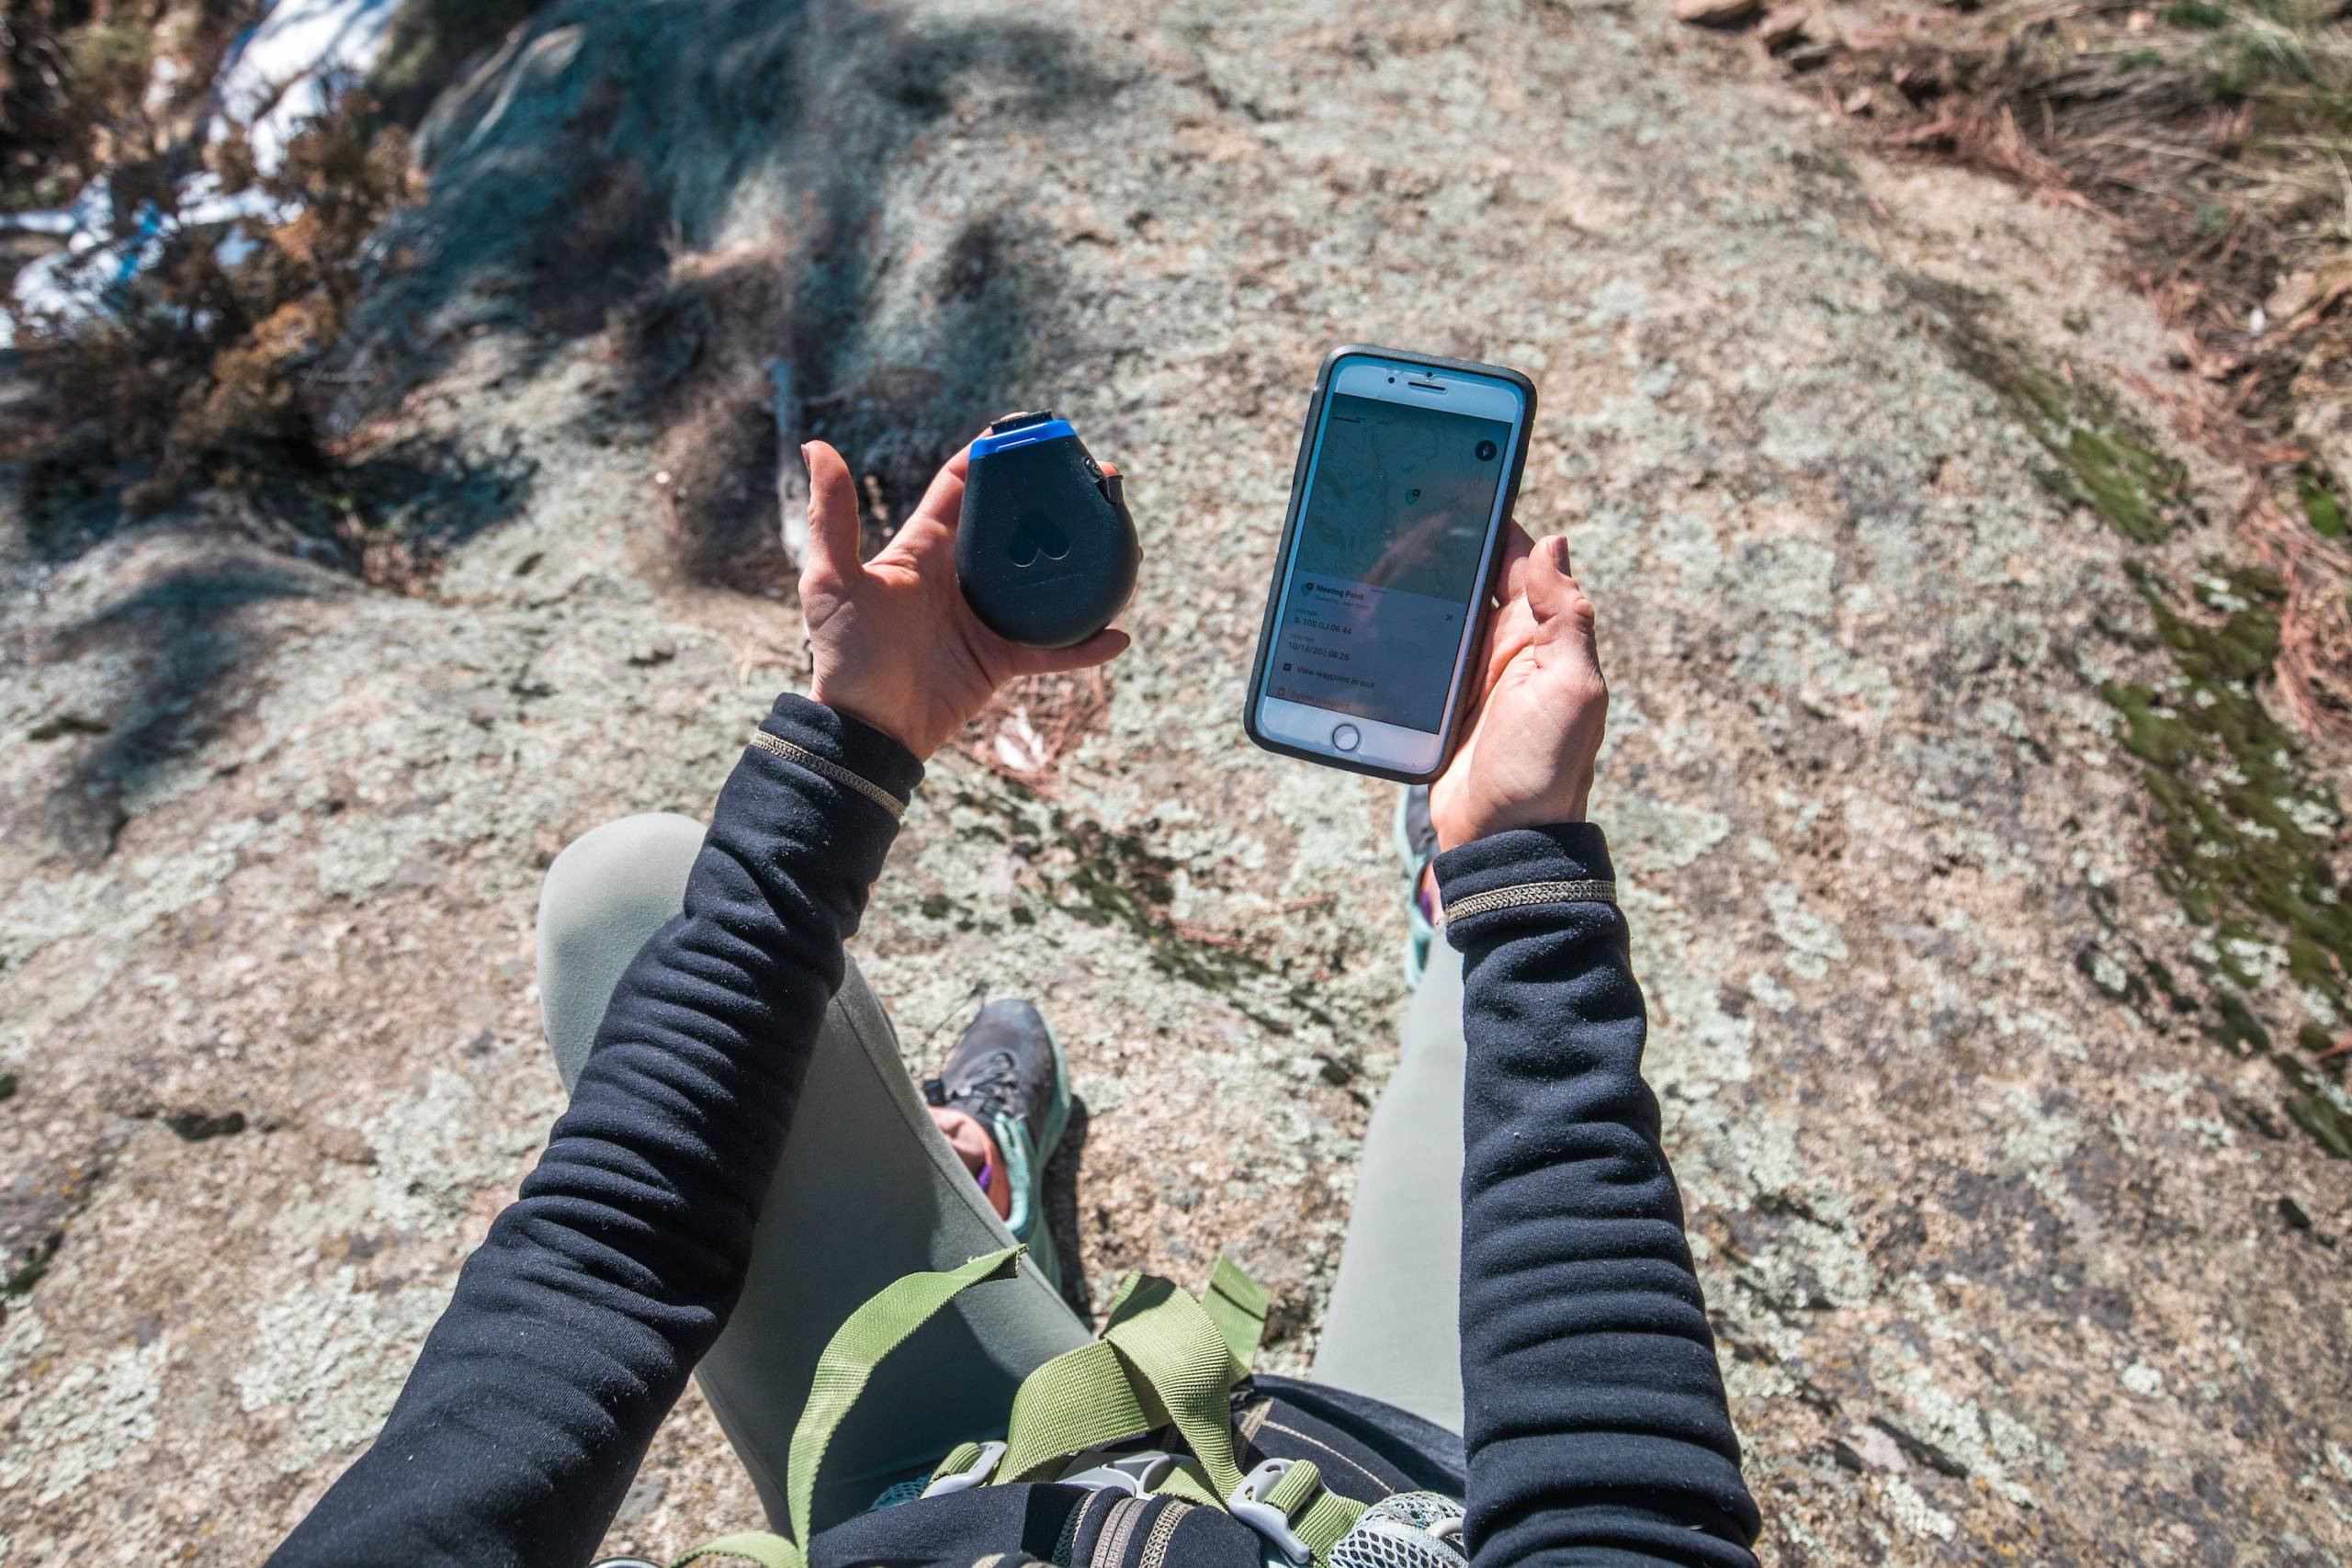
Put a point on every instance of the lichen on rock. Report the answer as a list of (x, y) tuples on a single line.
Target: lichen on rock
[(1973, 884)]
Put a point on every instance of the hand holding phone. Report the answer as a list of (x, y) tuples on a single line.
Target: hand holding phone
[(1384, 585), (1541, 710)]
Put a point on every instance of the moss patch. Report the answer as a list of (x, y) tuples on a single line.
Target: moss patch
[(22, 1271), (2246, 824), (2323, 508), (2196, 15), (2101, 458), (2103, 461), (2317, 1108), (2236, 1026)]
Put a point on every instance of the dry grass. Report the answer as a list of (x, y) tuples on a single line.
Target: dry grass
[(203, 373), (78, 97), (2216, 136), (2219, 147), (2314, 661)]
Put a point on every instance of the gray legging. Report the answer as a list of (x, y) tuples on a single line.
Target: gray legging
[(868, 1189)]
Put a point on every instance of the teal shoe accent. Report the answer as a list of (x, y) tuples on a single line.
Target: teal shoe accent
[(1419, 933), (1010, 1074), (1025, 1174), (1025, 1169)]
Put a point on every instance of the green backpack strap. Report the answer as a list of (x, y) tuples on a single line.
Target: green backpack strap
[(1238, 1305), (1315, 1515), (1160, 1362), (1079, 1400), (1165, 1360), (1182, 1371), (750, 1546), (873, 1331)]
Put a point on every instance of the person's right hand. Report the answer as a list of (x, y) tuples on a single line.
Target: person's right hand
[(1542, 707)]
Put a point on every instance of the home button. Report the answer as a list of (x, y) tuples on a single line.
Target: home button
[(1347, 737)]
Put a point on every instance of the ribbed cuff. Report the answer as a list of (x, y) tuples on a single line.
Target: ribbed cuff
[(847, 743), (1523, 871)]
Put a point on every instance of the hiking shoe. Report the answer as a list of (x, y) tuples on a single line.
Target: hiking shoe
[(1008, 1074), (1417, 846)]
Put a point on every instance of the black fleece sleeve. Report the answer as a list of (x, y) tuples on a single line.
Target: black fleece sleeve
[(576, 1323), (1596, 1428)]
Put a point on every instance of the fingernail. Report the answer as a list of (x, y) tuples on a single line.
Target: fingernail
[(804, 456)]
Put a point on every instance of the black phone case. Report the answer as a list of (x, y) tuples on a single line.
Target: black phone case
[(1482, 610)]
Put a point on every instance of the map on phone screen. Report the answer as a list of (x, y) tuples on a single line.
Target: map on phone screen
[(1387, 560)]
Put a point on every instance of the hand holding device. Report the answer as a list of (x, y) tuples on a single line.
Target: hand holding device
[(894, 642), (1542, 710), (1383, 590), (1047, 550)]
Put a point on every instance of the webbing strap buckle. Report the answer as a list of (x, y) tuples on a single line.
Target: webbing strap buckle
[(976, 1473), (1249, 1505), (1135, 1475)]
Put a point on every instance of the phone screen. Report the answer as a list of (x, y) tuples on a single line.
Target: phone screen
[(1386, 569)]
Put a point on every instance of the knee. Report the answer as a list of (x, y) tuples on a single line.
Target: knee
[(606, 893), (625, 865)]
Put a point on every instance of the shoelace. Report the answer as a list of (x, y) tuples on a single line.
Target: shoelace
[(993, 1091)]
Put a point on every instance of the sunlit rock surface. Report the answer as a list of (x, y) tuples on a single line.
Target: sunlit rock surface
[(2018, 1244)]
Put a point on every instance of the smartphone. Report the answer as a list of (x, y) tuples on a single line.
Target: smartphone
[(1406, 477)]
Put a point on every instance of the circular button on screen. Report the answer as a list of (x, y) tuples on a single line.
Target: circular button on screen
[(1347, 737)]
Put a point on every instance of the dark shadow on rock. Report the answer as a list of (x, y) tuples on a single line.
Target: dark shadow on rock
[(1062, 1174), (186, 636), (40, 1203), (425, 495), (386, 517), (580, 178), (696, 358)]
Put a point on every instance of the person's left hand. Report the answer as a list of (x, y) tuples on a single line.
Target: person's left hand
[(894, 643)]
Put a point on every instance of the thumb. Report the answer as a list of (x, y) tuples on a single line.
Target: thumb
[(832, 519), (1564, 618)]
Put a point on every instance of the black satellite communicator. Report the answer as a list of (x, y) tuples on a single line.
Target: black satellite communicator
[(1045, 550)]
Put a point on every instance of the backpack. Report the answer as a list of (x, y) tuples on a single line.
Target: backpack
[(1068, 1484)]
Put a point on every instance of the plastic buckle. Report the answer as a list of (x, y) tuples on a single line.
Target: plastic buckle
[(1249, 1505), (1135, 1475), (973, 1474)]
